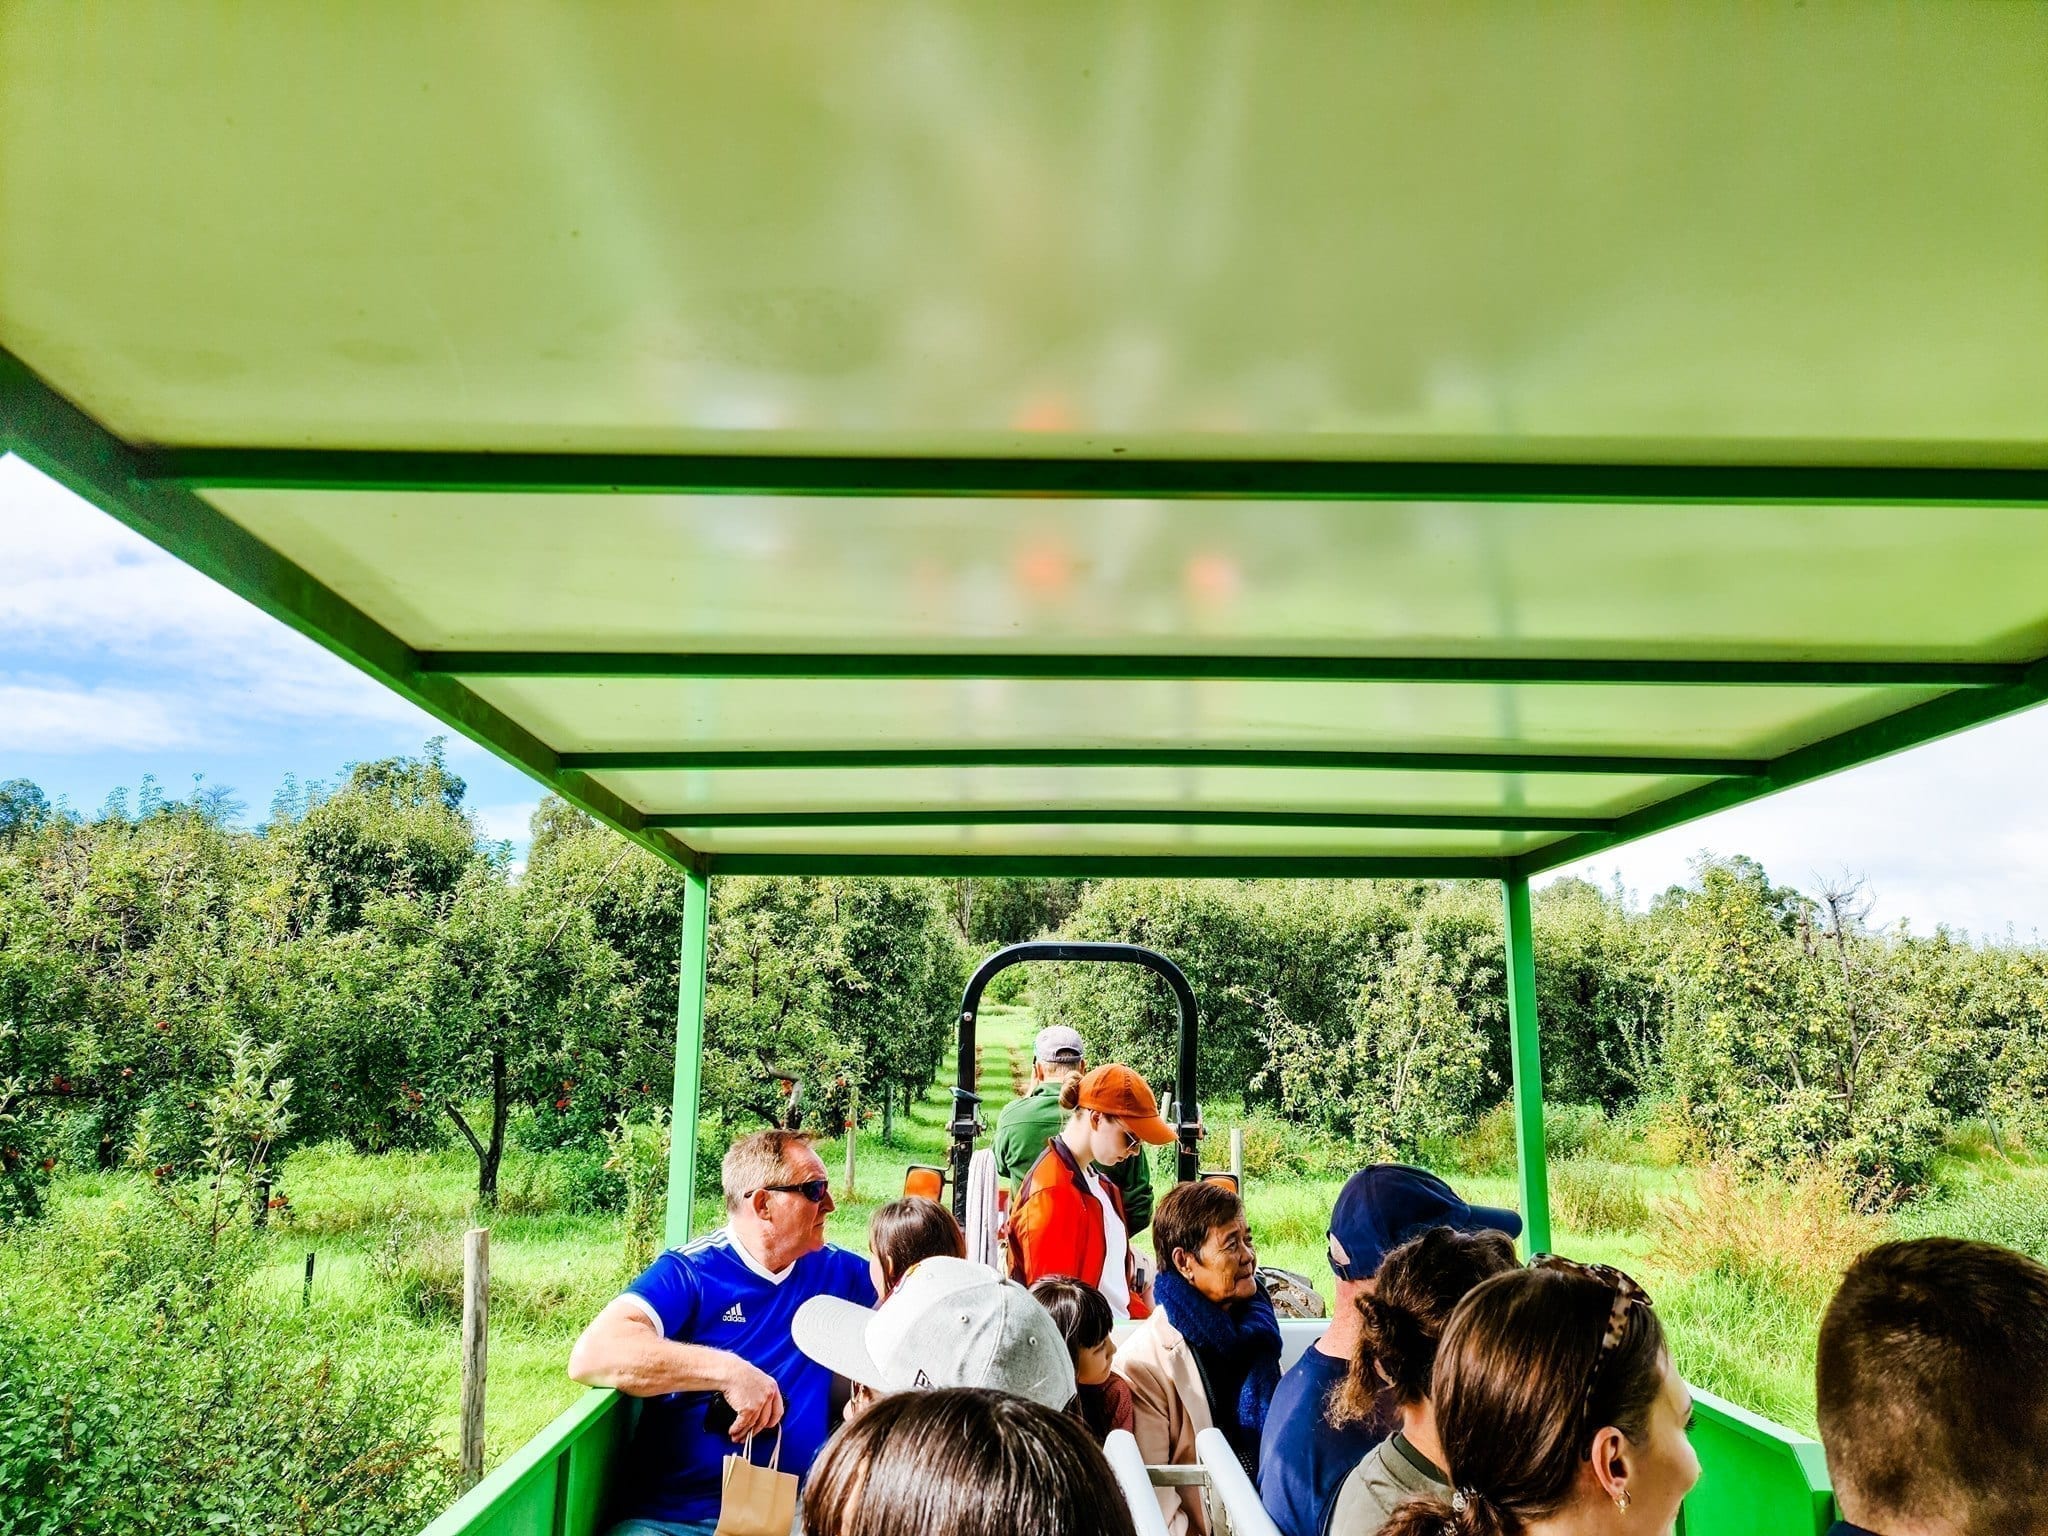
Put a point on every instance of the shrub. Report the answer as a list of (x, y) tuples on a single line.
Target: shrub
[(1012, 986), (534, 1186), (1485, 1149), (638, 1157), (591, 1186), (124, 1426), (27, 1154), (1274, 1149), (422, 1265)]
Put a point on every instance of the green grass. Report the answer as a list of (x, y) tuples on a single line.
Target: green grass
[(1737, 1288)]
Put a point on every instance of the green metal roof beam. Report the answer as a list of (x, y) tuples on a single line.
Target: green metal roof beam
[(1147, 816), (1881, 738), (71, 448), (1112, 866), (704, 759), (1113, 476), (1065, 667)]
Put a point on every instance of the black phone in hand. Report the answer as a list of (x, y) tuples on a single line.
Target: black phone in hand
[(720, 1416)]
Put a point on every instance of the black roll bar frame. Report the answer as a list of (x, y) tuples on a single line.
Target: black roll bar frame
[(966, 1123)]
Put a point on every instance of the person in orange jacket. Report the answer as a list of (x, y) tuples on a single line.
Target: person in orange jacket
[(1068, 1220)]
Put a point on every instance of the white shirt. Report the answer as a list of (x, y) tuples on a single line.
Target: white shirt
[(1116, 1245)]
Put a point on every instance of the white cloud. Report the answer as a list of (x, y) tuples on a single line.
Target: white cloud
[(84, 597), (75, 577), (1955, 833), (62, 718)]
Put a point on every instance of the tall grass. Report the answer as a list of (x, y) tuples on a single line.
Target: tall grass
[(2012, 1213), (1597, 1197)]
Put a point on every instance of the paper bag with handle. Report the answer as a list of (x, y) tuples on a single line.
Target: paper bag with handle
[(757, 1501)]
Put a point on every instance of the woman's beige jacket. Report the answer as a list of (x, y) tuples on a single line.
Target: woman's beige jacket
[(1171, 1408)]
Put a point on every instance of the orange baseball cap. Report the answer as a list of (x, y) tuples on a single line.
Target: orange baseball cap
[(1117, 1090)]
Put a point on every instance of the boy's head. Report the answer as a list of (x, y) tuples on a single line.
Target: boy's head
[(1932, 1389)]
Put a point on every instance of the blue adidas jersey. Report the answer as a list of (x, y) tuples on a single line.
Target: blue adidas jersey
[(709, 1294)]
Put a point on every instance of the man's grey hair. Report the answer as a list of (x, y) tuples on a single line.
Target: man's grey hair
[(755, 1160)]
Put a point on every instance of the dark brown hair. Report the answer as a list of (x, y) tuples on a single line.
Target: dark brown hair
[(1931, 1386), (1078, 1311), (1417, 1288), (964, 1461), (1510, 1392), (1188, 1214), (906, 1231), (1070, 1093)]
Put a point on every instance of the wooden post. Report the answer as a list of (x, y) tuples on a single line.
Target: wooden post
[(1237, 1157), (853, 1132), (476, 1325), (306, 1295)]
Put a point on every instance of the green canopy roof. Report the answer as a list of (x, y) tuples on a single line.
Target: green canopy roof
[(1281, 438)]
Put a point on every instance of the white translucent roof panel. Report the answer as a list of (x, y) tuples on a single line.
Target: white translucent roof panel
[(1183, 225), (1112, 841), (1799, 238), (1273, 789), (790, 573), (579, 715)]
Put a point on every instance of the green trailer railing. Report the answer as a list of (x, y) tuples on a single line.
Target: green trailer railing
[(1756, 1478), (556, 1483)]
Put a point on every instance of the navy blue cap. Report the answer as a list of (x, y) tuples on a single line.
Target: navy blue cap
[(1381, 1207)]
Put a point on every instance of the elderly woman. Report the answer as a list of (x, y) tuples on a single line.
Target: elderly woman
[(1209, 1355)]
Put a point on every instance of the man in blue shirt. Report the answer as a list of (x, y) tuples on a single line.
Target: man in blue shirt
[(704, 1336), (1304, 1456)]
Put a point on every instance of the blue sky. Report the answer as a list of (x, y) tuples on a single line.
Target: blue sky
[(116, 661)]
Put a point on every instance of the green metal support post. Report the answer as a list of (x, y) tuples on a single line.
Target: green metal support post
[(1531, 1154), (682, 1124)]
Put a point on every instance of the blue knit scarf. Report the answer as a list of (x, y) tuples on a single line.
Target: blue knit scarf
[(1246, 1333)]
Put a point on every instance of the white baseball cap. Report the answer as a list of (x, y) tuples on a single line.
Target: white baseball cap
[(1059, 1046), (951, 1323)]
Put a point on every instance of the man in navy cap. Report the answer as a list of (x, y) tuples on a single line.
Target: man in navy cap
[(1303, 1456)]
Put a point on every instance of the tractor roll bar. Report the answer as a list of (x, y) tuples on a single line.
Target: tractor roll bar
[(966, 1123)]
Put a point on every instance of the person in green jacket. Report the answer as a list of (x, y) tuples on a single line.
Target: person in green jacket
[(1024, 1127)]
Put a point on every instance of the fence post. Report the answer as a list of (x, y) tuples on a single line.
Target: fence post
[(1237, 1158), (306, 1295), (853, 1131), (476, 1326)]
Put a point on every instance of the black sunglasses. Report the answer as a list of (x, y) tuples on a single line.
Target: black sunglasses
[(813, 1190)]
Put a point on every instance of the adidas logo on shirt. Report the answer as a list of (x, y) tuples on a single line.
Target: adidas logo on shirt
[(733, 1314)]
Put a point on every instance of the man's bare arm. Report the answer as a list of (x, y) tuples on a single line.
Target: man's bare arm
[(623, 1349)]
